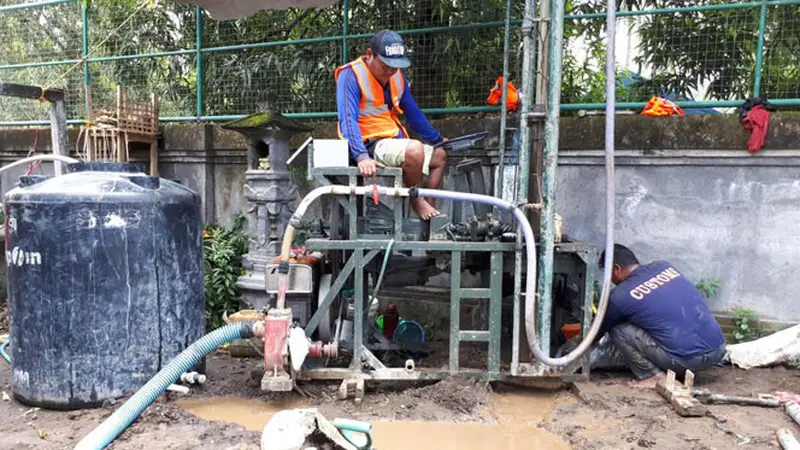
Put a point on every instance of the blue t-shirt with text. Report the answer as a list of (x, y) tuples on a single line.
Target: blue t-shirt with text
[(662, 302)]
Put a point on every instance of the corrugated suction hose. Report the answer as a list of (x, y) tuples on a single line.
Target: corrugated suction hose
[(112, 427)]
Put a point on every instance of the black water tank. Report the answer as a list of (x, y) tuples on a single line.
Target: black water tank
[(105, 282)]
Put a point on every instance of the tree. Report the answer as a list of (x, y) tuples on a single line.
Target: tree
[(712, 52)]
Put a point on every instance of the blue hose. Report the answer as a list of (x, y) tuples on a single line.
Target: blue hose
[(3, 352), (112, 427)]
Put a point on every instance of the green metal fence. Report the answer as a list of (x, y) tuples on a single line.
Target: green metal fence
[(709, 54)]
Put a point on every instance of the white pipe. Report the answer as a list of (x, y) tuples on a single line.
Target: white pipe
[(530, 250), (787, 439), (178, 388), (193, 378), (335, 189), (793, 410), (45, 157)]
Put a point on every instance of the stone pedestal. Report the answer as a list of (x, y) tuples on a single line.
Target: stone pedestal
[(272, 195), (270, 191)]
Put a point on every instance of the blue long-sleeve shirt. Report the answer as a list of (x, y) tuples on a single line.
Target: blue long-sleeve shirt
[(660, 301), (348, 99)]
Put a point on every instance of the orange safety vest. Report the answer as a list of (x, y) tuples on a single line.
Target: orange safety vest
[(375, 118)]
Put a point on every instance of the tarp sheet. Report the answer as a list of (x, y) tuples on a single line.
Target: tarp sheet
[(237, 9)]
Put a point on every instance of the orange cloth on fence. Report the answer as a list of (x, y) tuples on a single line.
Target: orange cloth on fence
[(496, 95), (661, 107)]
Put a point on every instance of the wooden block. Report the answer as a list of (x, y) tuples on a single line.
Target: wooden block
[(680, 396), (689, 379)]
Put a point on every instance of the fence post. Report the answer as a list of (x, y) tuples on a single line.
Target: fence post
[(198, 17), (762, 25), (87, 93), (345, 29), (498, 186)]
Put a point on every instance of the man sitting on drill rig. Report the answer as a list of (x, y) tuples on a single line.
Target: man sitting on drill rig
[(371, 94), (657, 321)]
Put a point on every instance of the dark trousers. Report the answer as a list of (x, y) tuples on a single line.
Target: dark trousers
[(633, 348)]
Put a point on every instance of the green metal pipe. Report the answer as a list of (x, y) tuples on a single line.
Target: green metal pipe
[(549, 162), (762, 26), (33, 123), (142, 56), (522, 194), (528, 75), (85, 52), (99, 59), (35, 5), (450, 28), (345, 29), (320, 115), (685, 9), (40, 64), (682, 104), (463, 109), (258, 45), (504, 102), (198, 30)]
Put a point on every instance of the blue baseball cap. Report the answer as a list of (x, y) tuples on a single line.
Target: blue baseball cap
[(390, 48)]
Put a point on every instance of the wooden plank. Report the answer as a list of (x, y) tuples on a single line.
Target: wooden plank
[(31, 92)]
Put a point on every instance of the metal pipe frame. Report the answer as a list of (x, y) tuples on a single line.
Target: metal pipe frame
[(575, 259)]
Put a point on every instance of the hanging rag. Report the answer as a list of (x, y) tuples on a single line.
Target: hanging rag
[(496, 95), (754, 117), (661, 107)]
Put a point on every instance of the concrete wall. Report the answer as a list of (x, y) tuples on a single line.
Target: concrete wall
[(687, 191)]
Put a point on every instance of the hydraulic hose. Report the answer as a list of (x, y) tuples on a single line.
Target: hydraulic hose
[(611, 96), (43, 157), (112, 427), (530, 250)]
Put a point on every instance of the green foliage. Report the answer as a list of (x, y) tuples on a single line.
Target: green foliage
[(708, 288), (746, 325), (222, 257), (712, 52)]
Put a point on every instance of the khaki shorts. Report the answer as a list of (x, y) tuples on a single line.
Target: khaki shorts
[(392, 153)]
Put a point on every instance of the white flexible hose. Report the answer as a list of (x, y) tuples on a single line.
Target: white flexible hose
[(44, 157)]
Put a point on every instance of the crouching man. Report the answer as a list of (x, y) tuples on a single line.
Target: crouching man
[(657, 321)]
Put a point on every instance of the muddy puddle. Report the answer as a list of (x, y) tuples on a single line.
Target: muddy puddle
[(517, 415)]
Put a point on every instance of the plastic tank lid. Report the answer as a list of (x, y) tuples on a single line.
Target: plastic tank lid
[(105, 166)]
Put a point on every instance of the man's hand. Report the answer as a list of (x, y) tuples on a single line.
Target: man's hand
[(368, 167)]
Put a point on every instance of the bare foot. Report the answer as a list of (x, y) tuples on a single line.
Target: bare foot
[(648, 383), (424, 209)]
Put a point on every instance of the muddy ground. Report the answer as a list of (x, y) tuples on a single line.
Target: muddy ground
[(602, 414)]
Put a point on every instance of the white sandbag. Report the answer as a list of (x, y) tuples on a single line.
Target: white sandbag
[(290, 429), (777, 348)]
